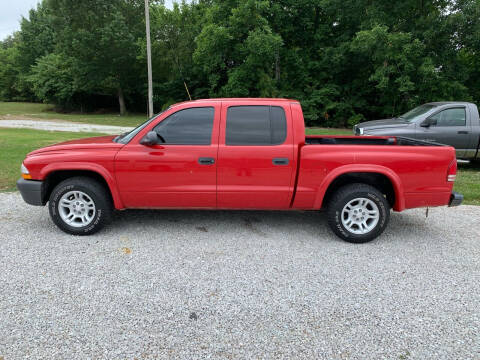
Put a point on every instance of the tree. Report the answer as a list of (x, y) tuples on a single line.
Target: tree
[(34, 40), (173, 34), (466, 39), (9, 69), (100, 38), (52, 79), (238, 49)]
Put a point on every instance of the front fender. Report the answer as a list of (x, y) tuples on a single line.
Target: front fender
[(363, 168), (79, 166)]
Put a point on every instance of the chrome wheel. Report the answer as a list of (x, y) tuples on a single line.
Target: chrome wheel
[(360, 216), (76, 209)]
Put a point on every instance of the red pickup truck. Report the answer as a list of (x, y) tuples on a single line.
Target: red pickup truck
[(239, 154)]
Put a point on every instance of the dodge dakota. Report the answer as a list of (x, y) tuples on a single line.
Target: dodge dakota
[(452, 123), (238, 154)]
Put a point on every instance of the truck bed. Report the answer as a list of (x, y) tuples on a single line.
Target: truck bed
[(398, 157), (366, 140)]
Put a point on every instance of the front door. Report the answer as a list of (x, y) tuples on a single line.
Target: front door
[(180, 172), (255, 157), (448, 127)]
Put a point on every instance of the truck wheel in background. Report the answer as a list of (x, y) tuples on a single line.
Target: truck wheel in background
[(80, 206), (358, 213)]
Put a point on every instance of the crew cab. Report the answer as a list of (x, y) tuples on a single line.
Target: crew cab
[(238, 154), (452, 123)]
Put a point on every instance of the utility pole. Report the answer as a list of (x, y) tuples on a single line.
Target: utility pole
[(149, 60)]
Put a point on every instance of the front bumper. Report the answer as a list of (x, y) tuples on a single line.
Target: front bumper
[(32, 191), (455, 199)]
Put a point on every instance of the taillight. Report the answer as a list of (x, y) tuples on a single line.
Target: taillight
[(452, 171)]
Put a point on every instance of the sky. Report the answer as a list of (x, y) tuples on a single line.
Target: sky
[(11, 12)]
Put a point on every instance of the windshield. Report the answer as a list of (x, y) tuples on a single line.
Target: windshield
[(414, 114), (126, 137)]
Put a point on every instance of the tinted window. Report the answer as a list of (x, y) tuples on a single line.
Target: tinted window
[(450, 117), (256, 125), (279, 125), (188, 127)]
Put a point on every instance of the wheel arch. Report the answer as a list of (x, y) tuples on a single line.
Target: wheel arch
[(383, 179), (54, 175)]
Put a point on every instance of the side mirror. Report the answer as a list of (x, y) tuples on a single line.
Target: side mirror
[(150, 139), (429, 122)]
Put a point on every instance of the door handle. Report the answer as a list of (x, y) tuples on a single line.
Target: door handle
[(206, 161), (462, 132), (280, 161)]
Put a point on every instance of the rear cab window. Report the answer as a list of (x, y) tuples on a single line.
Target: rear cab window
[(255, 125)]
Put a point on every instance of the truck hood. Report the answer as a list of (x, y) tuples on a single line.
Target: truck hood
[(393, 122), (383, 124), (100, 142)]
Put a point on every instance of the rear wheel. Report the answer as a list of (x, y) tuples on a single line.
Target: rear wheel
[(358, 213), (80, 206)]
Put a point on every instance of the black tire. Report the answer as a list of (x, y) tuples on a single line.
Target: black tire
[(102, 213), (344, 196)]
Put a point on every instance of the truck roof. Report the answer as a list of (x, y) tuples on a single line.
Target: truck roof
[(238, 99), (441, 103)]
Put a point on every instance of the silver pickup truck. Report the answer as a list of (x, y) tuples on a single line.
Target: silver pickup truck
[(451, 123)]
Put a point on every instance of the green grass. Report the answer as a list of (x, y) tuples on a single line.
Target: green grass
[(468, 182), (328, 131), (16, 143), (45, 111)]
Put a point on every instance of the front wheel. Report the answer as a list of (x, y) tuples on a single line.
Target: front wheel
[(80, 206), (358, 213)]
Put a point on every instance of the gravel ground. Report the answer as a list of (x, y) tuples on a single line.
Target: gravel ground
[(191, 284), (56, 125)]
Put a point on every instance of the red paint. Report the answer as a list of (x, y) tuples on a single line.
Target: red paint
[(243, 177)]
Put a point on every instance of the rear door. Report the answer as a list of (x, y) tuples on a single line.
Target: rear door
[(450, 127), (255, 157)]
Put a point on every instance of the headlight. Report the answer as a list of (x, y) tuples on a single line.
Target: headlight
[(357, 130), (25, 173)]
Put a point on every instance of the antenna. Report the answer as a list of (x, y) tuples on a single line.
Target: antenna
[(186, 88)]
